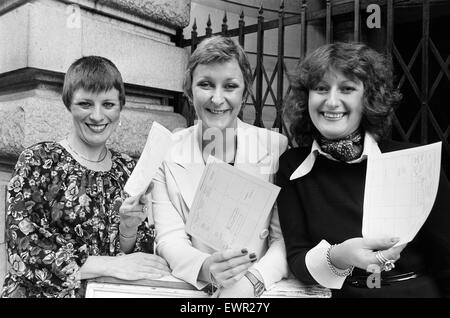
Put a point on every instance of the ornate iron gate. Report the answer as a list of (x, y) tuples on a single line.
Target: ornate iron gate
[(418, 120)]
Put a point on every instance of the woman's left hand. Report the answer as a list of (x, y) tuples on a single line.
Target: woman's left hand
[(227, 267), (361, 252), (138, 266)]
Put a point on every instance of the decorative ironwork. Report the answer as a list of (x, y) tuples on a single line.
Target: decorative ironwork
[(423, 123), (224, 25)]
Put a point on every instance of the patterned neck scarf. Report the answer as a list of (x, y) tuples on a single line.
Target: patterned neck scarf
[(344, 149)]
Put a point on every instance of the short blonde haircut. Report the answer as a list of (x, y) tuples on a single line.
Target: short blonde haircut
[(218, 49)]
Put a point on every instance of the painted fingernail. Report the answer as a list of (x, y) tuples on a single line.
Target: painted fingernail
[(244, 251), (252, 255)]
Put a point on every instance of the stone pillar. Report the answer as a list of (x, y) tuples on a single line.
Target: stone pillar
[(39, 39), (4, 178)]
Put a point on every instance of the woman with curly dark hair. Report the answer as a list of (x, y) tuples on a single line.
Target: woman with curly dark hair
[(341, 110), (357, 62)]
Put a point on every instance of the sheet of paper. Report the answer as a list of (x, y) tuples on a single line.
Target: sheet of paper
[(159, 142), (400, 190), (230, 207), (168, 281)]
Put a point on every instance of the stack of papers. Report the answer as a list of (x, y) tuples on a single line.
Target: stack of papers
[(171, 287)]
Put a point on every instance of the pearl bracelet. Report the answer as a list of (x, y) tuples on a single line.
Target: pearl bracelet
[(341, 273)]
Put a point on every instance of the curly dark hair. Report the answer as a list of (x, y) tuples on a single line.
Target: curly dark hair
[(355, 61)]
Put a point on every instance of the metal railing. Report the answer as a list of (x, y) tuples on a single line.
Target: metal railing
[(424, 120)]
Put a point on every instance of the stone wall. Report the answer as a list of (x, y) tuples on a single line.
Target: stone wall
[(4, 178), (26, 121), (41, 38), (42, 35)]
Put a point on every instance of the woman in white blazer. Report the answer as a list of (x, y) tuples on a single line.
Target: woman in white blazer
[(217, 81)]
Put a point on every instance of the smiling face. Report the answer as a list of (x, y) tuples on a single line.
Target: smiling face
[(95, 115), (335, 105), (217, 92)]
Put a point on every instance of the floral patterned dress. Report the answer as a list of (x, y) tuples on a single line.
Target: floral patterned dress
[(59, 213)]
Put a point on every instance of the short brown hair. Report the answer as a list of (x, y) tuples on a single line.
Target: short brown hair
[(94, 74), (218, 49)]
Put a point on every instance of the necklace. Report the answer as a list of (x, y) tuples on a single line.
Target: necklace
[(84, 158)]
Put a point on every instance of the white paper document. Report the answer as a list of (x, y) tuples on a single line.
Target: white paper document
[(159, 142), (230, 208), (400, 190)]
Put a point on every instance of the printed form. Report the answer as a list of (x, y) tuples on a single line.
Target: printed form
[(230, 207), (400, 190)]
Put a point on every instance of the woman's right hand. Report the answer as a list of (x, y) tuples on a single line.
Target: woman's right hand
[(138, 266), (227, 267), (361, 252)]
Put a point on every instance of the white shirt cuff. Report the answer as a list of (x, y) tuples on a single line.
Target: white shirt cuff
[(316, 263)]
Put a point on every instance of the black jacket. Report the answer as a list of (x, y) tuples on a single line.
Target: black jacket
[(327, 203)]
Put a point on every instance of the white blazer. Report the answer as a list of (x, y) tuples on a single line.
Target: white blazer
[(258, 150)]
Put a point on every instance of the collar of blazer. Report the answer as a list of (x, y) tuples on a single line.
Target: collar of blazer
[(186, 165)]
